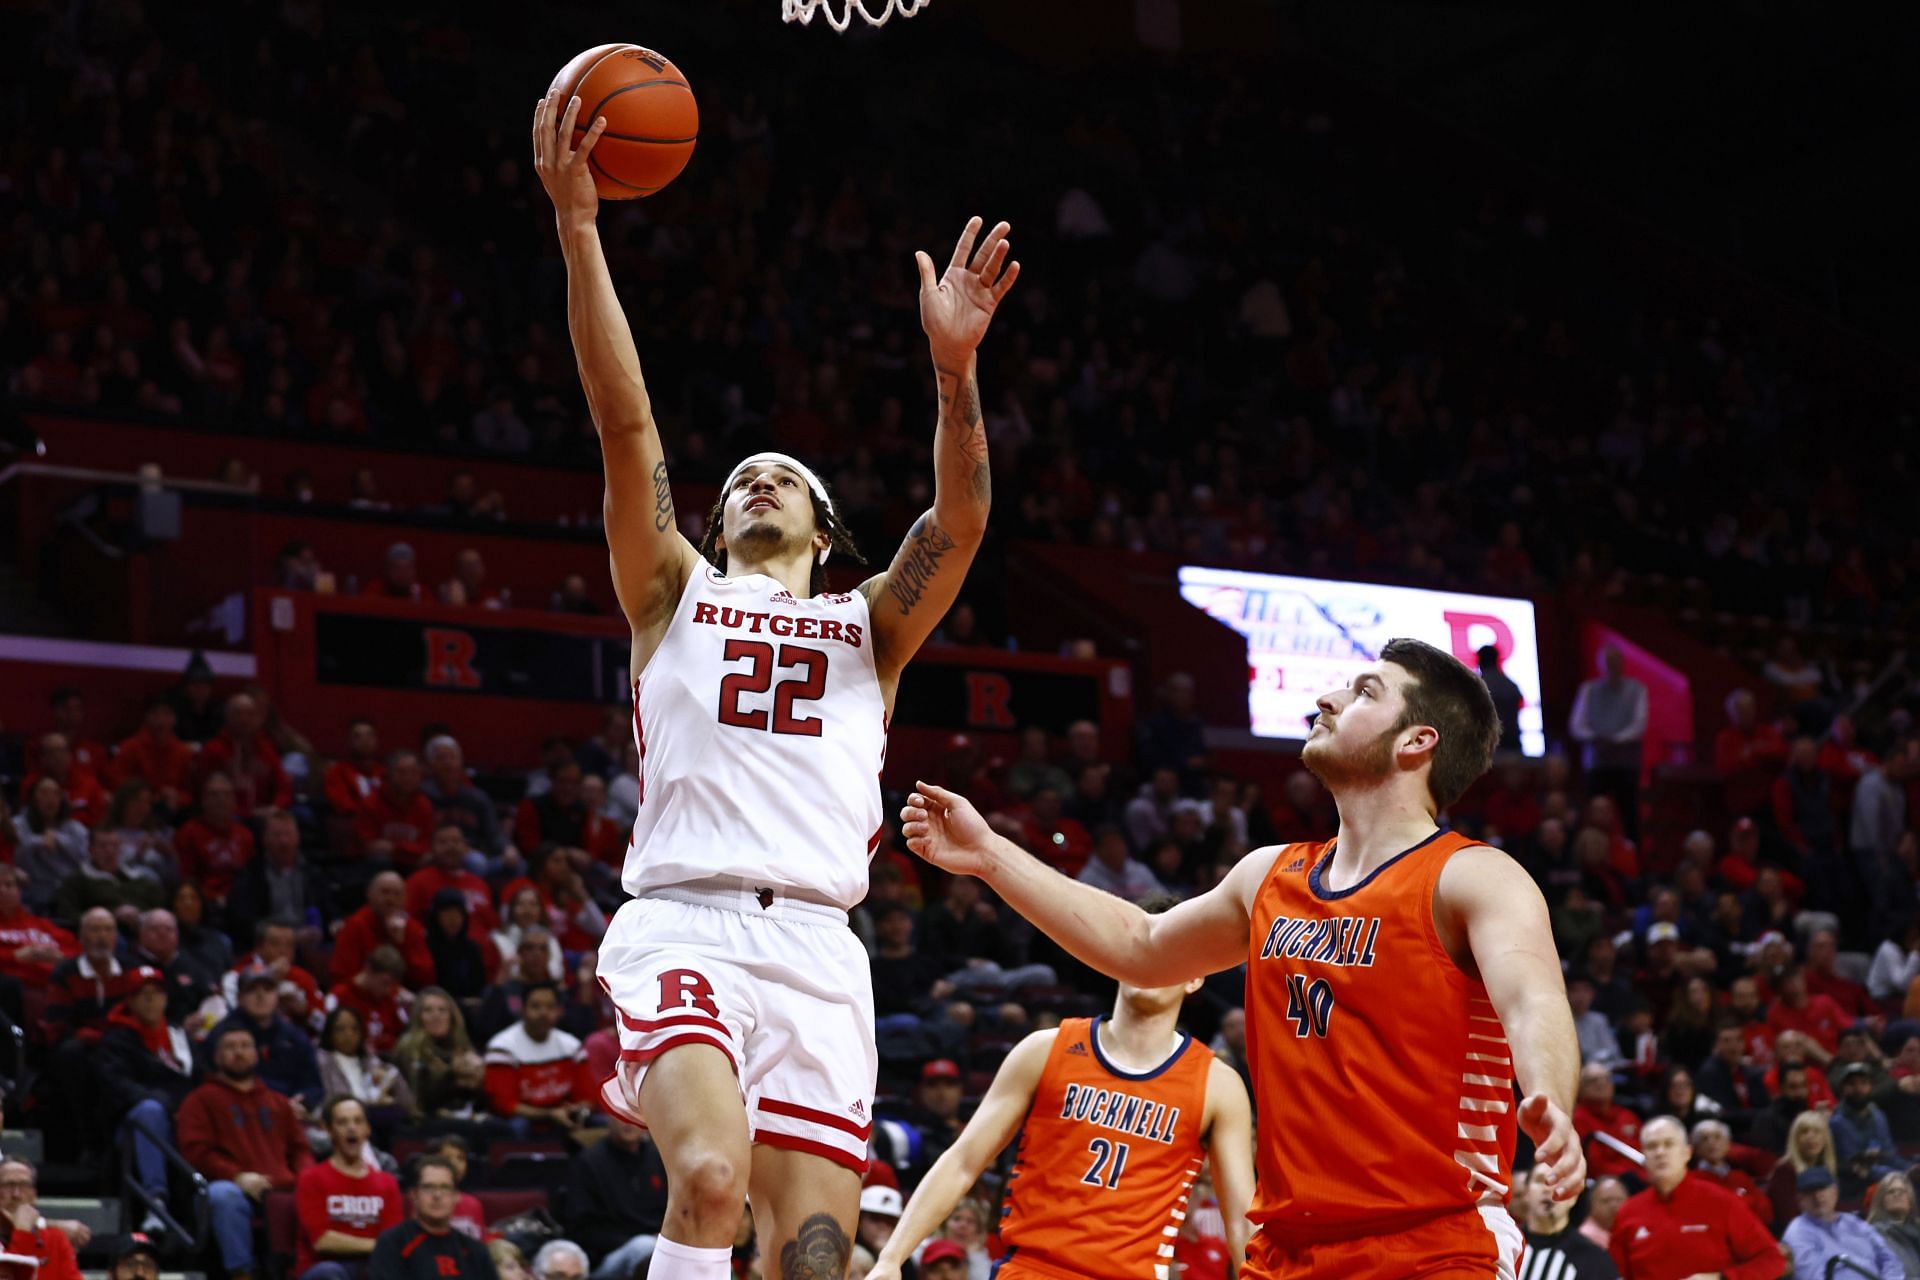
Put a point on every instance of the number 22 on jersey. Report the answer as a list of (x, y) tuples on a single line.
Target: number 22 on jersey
[(761, 659)]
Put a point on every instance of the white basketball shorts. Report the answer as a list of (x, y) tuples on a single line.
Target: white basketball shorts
[(783, 989)]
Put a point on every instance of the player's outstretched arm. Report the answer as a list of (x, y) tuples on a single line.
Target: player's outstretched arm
[(921, 584), (1484, 897), (651, 559), (1230, 1153), (1202, 935), (999, 1116)]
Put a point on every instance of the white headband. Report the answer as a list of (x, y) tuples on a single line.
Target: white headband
[(799, 468)]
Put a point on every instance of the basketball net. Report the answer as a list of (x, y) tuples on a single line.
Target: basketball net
[(802, 11)]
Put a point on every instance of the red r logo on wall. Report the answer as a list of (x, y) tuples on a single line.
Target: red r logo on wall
[(989, 700), (450, 659), (1462, 624), (685, 989)]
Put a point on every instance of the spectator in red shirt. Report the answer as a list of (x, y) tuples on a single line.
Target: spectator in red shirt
[(351, 782), (26, 1233), (1683, 1226), (345, 1201), (158, 756), (245, 1139), (69, 708), (536, 1073), (446, 869), (1712, 1142), (1844, 760), (244, 751), (1816, 1016), (376, 998), (399, 578), (395, 823), (383, 922), (468, 585), (85, 796), (1513, 806), (1059, 840), (215, 847), (1823, 949), (1596, 1112), (29, 946), (1747, 754)]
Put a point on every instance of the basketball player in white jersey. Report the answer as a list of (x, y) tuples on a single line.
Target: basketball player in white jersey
[(761, 706)]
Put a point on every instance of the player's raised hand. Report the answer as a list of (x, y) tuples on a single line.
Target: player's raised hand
[(1555, 1144), (956, 307), (942, 827), (561, 165)]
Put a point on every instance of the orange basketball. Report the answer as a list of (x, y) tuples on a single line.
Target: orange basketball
[(652, 121)]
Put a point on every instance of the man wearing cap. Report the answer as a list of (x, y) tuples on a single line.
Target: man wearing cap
[(137, 1259), (939, 1106), (942, 1260), (287, 1062), (24, 1232), (761, 732), (1683, 1226), (880, 1209), (144, 1067), (1862, 1138), (1820, 1236)]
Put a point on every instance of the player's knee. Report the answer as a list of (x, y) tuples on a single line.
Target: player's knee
[(714, 1184)]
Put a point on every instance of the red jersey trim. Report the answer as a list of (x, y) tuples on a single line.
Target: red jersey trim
[(806, 1146), (793, 1110), (641, 1026)]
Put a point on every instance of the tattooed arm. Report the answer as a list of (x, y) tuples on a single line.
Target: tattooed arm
[(651, 560), (918, 588)]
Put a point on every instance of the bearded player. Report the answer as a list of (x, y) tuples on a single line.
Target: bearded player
[(1401, 980), (760, 712), (1115, 1116)]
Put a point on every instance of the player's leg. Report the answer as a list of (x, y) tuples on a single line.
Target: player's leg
[(685, 1015), (805, 1208), (694, 1113)]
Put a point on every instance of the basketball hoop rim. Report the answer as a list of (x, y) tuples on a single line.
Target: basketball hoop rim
[(803, 11)]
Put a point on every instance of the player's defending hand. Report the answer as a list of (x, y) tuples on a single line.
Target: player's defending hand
[(942, 827), (1555, 1144), (956, 308), (561, 165)]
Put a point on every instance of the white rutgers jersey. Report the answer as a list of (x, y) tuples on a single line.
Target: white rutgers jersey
[(761, 731)]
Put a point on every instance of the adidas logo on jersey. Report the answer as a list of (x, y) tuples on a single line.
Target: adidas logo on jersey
[(1298, 864), (858, 1110), (1078, 1049)]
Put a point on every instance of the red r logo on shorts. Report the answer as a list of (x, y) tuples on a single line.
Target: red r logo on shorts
[(685, 989)]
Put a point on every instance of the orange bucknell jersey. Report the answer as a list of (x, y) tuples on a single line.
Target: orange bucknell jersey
[(1381, 1073), (1106, 1162)]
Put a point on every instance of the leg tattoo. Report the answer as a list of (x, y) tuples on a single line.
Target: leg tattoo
[(818, 1251)]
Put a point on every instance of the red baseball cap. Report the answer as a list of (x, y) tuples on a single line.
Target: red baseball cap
[(941, 1069), (146, 976), (941, 1251)]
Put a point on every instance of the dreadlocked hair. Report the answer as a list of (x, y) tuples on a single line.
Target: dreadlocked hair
[(824, 517)]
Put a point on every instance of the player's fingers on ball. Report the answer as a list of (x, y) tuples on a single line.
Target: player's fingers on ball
[(567, 118), (594, 130)]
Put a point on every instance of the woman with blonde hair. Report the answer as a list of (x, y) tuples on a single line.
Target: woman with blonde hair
[(438, 1061), (966, 1226), (1809, 1143), (1894, 1218)]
